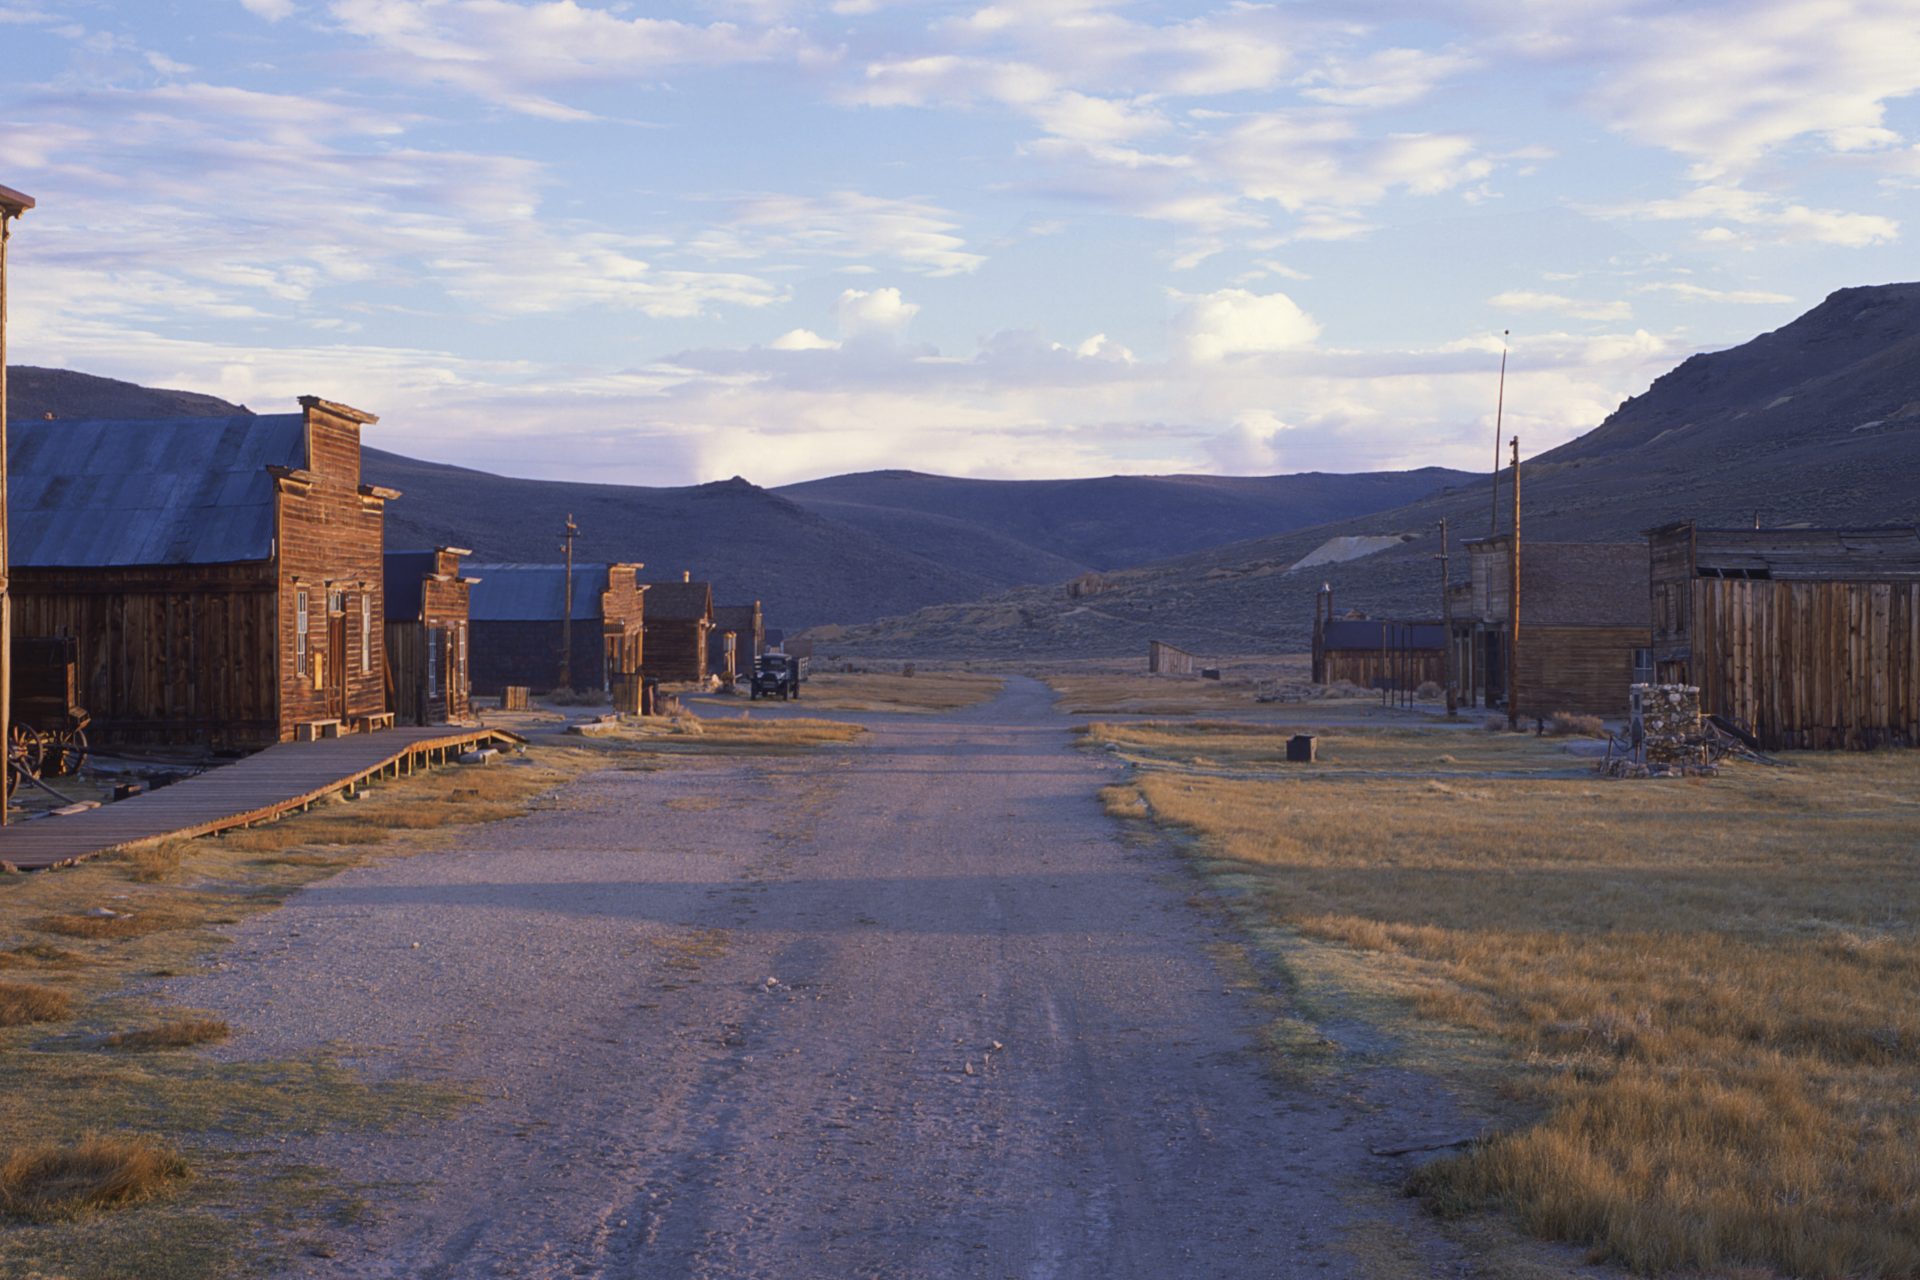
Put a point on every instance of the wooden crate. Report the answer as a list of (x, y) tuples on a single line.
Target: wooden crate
[(516, 697)]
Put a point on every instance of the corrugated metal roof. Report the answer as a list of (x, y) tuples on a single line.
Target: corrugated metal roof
[(1883, 554), (175, 491), (1365, 634), (532, 592)]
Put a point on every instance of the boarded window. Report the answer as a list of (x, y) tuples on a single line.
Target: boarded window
[(300, 629)]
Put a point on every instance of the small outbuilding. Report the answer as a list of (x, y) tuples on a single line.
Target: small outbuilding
[(679, 629), (428, 681), (1810, 636), (526, 631), (1583, 626), (220, 578), (1379, 653)]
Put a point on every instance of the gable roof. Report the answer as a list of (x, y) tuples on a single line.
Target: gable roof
[(173, 491), (735, 617), (679, 601), (533, 592)]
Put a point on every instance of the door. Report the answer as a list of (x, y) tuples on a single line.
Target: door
[(337, 654)]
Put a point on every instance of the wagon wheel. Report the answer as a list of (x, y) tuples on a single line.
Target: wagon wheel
[(65, 751), (26, 750)]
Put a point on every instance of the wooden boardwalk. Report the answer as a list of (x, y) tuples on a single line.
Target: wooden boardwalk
[(266, 785)]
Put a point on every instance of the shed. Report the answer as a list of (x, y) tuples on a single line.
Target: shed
[(1164, 659), (521, 621), (748, 629), (1379, 653), (679, 620), (1811, 636), (428, 681), (1583, 625), (221, 577)]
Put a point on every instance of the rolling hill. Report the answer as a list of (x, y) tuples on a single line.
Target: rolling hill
[(1817, 422), (844, 550)]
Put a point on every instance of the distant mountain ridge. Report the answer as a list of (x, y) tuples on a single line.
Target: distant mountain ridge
[(848, 549), (1817, 422)]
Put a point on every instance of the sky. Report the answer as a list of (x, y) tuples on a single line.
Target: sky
[(672, 243)]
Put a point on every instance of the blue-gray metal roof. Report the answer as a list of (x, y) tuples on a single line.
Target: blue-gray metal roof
[(174, 491), (1366, 634), (532, 592)]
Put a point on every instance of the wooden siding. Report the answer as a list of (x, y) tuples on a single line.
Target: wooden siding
[(329, 532), (164, 654), (1810, 664), (1164, 659), (528, 653), (1670, 559), (1372, 669), (428, 657), (623, 624), (1584, 670)]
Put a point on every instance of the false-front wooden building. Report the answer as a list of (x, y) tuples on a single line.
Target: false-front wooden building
[(428, 680), (220, 577), (742, 622), (1583, 625), (679, 628), (521, 621), (1810, 636)]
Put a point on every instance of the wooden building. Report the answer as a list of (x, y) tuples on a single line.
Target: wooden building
[(520, 620), (1583, 626), (679, 628), (749, 631), (220, 577), (1379, 653), (1164, 659), (1810, 636), (428, 680)]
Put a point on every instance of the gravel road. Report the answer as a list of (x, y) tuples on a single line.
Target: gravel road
[(912, 1008)]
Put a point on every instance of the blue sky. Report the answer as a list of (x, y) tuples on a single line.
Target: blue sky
[(662, 244)]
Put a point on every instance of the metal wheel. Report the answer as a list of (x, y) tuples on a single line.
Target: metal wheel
[(65, 751)]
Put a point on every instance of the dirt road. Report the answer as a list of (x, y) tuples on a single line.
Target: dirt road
[(915, 1008)]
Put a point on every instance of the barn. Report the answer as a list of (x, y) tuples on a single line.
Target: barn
[(521, 622), (1583, 625), (220, 577), (1810, 636), (748, 631), (679, 625), (428, 680)]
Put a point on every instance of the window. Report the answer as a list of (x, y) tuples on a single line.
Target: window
[(463, 657), (366, 634), (300, 629), (434, 641), (336, 600)]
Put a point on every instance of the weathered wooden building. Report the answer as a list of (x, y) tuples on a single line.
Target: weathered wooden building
[(1810, 636), (520, 619), (679, 629), (428, 656), (1379, 653), (1583, 625), (1164, 659), (220, 577), (749, 631)]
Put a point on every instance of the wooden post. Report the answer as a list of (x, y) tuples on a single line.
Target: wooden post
[(571, 532), (1513, 602), (1446, 624), (12, 205)]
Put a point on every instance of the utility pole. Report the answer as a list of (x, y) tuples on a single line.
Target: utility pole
[(1513, 602), (568, 534), (12, 205), (1499, 411), (1446, 622)]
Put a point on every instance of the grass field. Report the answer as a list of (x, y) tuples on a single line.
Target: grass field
[(729, 732), (125, 1151), (1703, 989)]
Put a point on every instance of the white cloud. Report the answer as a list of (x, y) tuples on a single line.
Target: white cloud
[(1235, 322), (1383, 78), (1579, 309), (803, 340), (1700, 293), (864, 313), (1761, 218), (271, 10), (915, 234)]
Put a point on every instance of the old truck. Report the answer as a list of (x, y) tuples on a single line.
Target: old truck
[(776, 675)]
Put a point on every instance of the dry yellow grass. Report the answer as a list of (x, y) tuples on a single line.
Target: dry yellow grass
[(177, 1033), (1143, 695), (22, 1003), (1706, 988), (730, 733), (925, 692), (49, 1181)]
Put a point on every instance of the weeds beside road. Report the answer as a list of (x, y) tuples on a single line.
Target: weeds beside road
[(1703, 988)]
